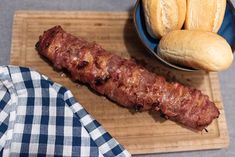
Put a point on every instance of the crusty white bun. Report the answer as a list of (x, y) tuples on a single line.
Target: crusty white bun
[(206, 15), (197, 49), (163, 16)]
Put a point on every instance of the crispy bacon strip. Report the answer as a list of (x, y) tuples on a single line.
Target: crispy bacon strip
[(124, 81)]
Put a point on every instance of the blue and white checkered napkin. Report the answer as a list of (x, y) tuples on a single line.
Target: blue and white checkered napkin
[(41, 118)]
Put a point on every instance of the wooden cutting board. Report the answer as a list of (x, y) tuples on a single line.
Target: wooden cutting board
[(140, 133)]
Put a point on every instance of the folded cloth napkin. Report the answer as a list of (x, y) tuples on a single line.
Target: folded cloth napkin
[(39, 117)]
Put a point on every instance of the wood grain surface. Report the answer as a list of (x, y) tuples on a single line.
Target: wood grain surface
[(139, 133)]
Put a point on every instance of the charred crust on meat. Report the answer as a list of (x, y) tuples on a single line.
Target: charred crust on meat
[(138, 107), (101, 80), (37, 46), (47, 45), (155, 106), (162, 115), (82, 65), (98, 81)]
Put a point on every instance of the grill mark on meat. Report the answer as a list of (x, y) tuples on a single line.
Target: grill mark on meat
[(125, 81)]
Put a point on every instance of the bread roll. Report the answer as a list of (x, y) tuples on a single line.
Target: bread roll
[(196, 49), (162, 16), (205, 15)]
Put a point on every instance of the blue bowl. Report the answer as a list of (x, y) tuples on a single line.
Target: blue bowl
[(227, 30)]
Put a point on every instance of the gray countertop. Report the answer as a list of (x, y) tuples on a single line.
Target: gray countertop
[(227, 78)]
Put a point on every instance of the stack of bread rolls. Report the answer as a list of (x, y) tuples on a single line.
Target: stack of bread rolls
[(188, 31)]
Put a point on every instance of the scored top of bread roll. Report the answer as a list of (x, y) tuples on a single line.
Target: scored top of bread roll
[(205, 15), (163, 16), (197, 49)]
